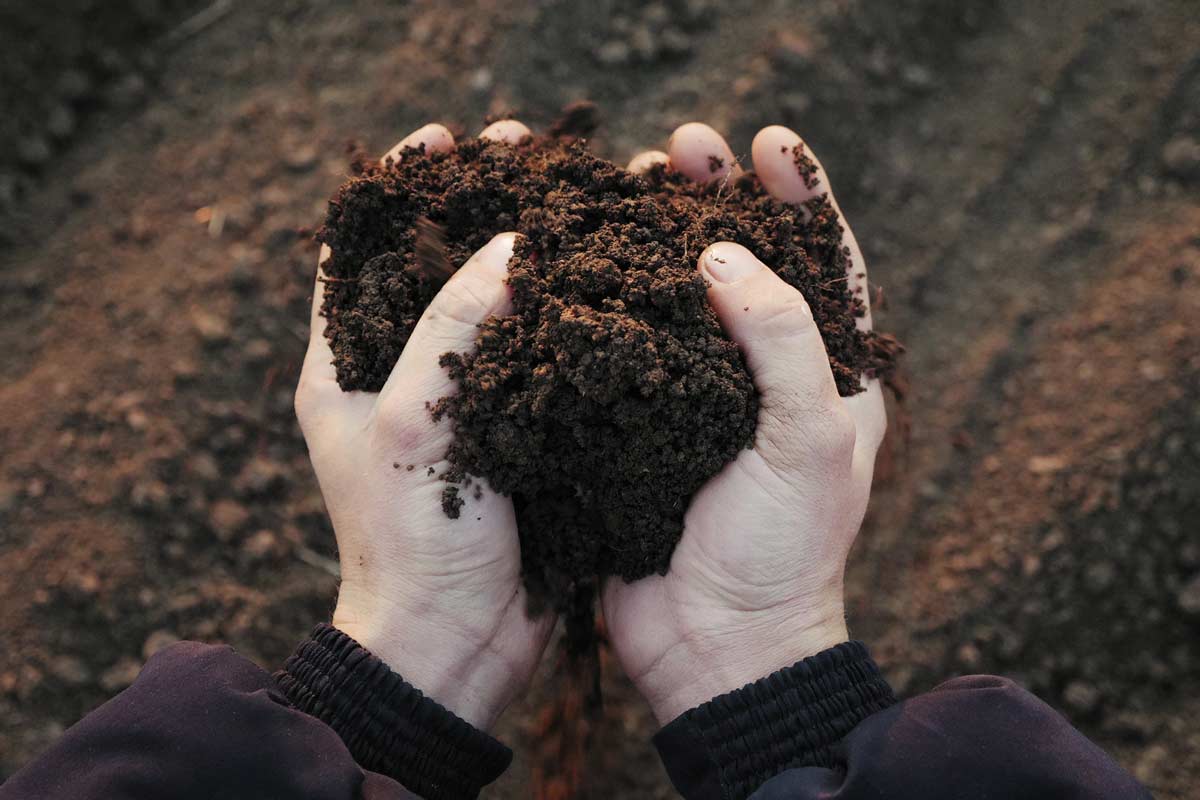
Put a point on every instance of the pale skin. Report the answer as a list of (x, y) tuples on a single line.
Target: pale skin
[(756, 581)]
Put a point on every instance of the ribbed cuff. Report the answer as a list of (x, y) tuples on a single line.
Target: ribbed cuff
[(728, 747), (389, 726)]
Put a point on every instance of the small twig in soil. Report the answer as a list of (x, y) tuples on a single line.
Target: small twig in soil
[(834, 282), (737, 162)]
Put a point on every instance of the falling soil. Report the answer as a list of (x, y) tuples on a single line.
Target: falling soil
[(610, 393)]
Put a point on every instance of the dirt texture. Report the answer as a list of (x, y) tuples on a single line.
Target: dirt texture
[(1023, 178), (609, 394)]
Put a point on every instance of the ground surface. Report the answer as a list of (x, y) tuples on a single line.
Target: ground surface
[(1022, 176)]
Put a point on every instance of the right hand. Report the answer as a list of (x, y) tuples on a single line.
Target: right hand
[(439, 600), (756, 581)]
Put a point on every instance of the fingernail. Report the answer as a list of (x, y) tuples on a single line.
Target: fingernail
[(730, 263)]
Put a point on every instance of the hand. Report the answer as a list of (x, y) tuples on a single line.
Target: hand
[(756, 581), (439, 600)]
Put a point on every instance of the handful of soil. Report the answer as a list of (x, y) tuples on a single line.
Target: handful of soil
[(610, 394)]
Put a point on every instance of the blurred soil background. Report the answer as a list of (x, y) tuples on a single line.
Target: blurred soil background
[(1024, 178)]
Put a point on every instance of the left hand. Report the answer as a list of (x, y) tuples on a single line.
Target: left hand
[(439, 600), (755, 583)]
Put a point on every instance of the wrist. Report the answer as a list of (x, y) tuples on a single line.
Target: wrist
[(462, 676), (704, 665)]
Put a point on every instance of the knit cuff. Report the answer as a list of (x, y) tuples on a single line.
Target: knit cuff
[(728, 747), (389, 726)]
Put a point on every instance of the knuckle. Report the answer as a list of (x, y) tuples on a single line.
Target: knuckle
[(787, 317), (304, 403), (462, 301), (397, 428), (807, 438), (840, 433)]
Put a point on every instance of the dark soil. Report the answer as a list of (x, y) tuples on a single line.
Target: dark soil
[(610, 394)]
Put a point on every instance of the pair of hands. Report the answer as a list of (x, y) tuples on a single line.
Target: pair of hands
[(756, 581)]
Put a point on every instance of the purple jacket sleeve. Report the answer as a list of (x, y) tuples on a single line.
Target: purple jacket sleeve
[(978, 736), (202, 722), (827, 728)]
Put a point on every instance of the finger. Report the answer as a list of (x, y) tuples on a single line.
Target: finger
[(435, 137), (792, 173), (318, 395), (701, 153), (779, 339), (450, 324), (506, 130), (642, 162)]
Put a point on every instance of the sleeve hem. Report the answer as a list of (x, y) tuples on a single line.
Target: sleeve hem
[(726, 748), (389, 726)]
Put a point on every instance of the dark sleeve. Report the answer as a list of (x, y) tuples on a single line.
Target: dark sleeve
[(203, 722), (828, 727)]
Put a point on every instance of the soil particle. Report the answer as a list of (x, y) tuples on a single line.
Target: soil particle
[(610, 394), (805, 166), (451, 503)]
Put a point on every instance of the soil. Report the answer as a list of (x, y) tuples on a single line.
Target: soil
[(1023, 180), (609, 394)]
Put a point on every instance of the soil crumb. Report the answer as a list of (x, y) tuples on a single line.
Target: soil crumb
[(610, 393)]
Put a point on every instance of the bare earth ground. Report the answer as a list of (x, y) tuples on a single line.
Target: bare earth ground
[(1023, 177)]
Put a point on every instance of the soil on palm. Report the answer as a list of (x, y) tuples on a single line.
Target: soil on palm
[(609, 394)]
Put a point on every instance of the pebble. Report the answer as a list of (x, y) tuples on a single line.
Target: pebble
[(74, 85), (33, 151), (1099, 576), (9, 190), (969, 656), (300, 158), (128, 91), (257, 351), (227, 518), (157, 641), (1181, 156), (61, 122), (1081, 696), (614, 53), (204, 466), (9, 496), (150, 495), (1151, 762), (917, 76), (259, 476), (675, 42), (1189, 596), (643, 43), (481, 80), (212, 328), (795, 102), (70, 670), (261, 545), (120, 675)]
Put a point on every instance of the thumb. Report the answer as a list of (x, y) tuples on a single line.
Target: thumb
[(772, 323), (450, 324)]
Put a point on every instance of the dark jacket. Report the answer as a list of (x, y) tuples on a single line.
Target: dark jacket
[(337, 724)]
